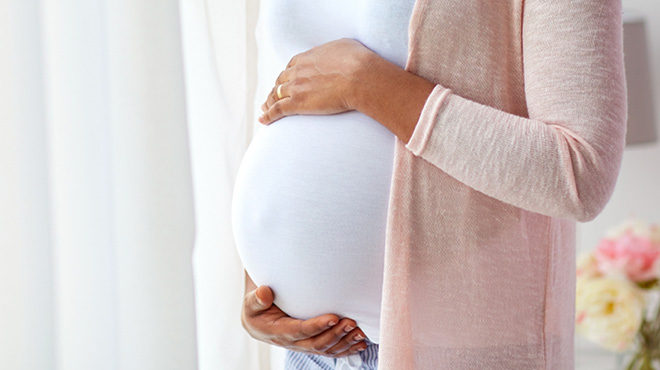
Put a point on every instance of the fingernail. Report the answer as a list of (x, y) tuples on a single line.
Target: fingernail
[(348, 328), (358, 336), (261, 119), (360, 349), (332, 323)]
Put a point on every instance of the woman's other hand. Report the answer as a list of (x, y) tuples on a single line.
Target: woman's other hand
[(264, 321), (318, 81)]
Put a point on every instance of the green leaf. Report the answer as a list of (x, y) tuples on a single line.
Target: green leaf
[(648, 284)]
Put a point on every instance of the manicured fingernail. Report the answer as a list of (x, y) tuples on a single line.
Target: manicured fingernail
[(360, 349), (358, 336), (348, 328), (332, 323)]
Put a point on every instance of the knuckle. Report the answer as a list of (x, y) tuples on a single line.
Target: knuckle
[(334, 352), (288, 337), (317, 347), (301, 82), (301, 330), (298, 58), (339, 334), (277, 108), (300, 93), (294, 72), (293, 60), (296, 98)]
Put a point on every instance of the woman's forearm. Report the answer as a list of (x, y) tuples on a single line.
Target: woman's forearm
[(390, 95)]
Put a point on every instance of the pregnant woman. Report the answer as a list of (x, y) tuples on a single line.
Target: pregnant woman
[(316, 187), (410, 201)]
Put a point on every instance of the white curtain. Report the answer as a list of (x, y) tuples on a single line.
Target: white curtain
[(113, 113), (96, 203), (220, 65)]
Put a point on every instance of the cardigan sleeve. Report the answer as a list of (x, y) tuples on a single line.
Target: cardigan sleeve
[(564, 159)]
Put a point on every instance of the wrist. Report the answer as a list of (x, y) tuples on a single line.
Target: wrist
[(362, 80), (390, 95)]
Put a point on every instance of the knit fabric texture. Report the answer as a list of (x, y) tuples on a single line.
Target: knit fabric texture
[(521, 138)]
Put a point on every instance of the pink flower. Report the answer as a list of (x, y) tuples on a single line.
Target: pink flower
[(632, 255)]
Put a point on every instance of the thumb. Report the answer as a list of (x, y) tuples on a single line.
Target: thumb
[(264, 297)]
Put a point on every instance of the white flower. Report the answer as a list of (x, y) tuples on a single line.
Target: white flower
[(609, 311), (587, 265)]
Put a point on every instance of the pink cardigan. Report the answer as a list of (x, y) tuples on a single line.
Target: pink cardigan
[(522, 137)]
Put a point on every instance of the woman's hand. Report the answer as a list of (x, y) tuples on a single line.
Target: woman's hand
[(318, 81), (344, 75), (266, 322)]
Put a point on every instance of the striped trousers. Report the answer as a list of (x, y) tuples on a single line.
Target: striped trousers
[(364, 360)]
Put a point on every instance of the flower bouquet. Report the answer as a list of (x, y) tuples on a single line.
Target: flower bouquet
[(615, 287)]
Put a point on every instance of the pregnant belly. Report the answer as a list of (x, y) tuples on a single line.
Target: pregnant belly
[(309, 212)]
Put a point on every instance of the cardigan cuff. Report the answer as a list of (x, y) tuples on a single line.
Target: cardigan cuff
[(427, 119)]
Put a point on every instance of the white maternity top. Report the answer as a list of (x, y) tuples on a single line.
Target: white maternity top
[(310, 201)]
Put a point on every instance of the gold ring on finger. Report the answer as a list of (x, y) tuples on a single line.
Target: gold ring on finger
[(279, 91)]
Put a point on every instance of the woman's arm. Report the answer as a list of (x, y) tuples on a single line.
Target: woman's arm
[(562, 161)]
